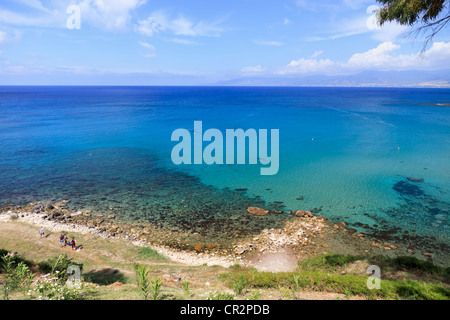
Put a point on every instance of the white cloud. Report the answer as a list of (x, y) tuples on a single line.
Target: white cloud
[(308, 66), (180, 26), (156, 23), (6, 37), (253, 69), (378, 57), (268, 43), (316, 54), (438, 55), (109, 14), (389, 32), (150, 51), (364, 23), (184, 41), (381, 58), (105, 14)]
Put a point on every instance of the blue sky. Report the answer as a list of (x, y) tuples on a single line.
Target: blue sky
[(201, 41)]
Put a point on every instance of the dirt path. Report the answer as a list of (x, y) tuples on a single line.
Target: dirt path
[(283, 260), (177, 256), (26, 240), (23, 237)]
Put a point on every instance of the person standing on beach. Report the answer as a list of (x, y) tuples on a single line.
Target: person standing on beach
[(72, 243), (41, 232), (61, 240)]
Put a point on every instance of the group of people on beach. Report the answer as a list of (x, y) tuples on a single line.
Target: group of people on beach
[(63, 240)]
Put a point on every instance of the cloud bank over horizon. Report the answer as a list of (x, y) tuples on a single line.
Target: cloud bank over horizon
[(142, 41)]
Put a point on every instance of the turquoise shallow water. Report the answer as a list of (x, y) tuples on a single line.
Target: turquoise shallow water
[(344, 153)]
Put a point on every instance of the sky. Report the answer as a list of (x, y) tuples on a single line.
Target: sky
[(180, 42)]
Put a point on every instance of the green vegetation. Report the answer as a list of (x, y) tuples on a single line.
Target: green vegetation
[(345, 284), (411, 264), (412, 11), (58, 266), (17, 275), (336, 262), (323, 274), (156, 285), (146, 284), (186, 287), (55, 286), (239, 284), (429, 16), (18, 259), (118, 276), (60, 284), (151, 254), (330, 262), (143, 280), (295, 285), (221, 296)]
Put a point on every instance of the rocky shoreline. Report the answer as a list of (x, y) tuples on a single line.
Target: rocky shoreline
[(66, 223), (304, 235)]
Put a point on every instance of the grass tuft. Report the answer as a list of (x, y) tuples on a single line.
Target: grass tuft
[(328, 262), (151, 254)]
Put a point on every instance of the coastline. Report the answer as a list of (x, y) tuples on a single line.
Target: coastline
[(179, 256), (274, 250)]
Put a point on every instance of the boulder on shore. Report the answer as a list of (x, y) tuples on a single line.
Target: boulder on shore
[(257, 211), (13, 216), (303, 213)]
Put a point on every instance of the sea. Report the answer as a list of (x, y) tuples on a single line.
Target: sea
[(376, 158)]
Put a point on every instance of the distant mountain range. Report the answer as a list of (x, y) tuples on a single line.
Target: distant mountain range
[(424, 79)]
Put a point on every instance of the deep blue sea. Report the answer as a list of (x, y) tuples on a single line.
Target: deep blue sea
[(345, 153)]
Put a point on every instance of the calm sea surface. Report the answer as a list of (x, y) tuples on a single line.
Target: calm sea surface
[(345, 153)]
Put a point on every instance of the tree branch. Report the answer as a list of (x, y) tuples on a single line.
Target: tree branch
[(434, 28)]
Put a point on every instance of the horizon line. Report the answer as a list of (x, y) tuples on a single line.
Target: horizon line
[(446, 86)]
